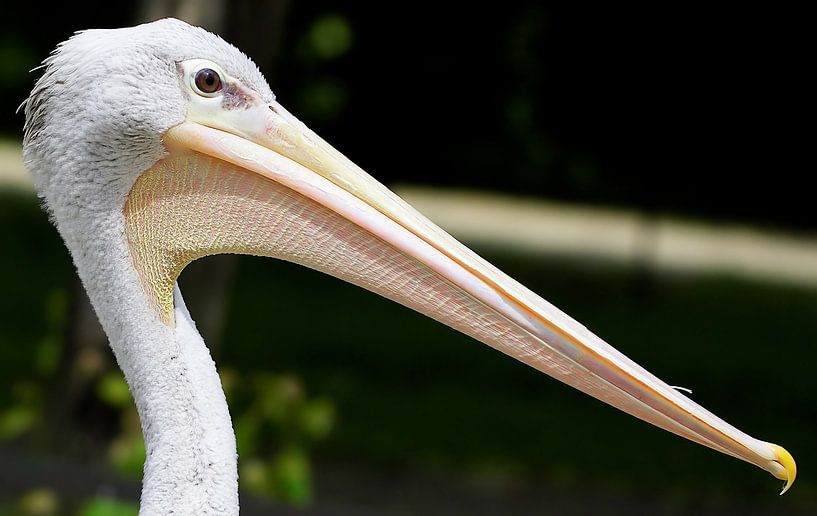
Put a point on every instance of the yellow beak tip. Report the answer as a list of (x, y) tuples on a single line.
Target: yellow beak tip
[(788, 471)]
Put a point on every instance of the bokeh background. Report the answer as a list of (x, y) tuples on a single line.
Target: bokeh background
[(646, 169)]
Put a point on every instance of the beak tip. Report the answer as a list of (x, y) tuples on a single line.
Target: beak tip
[(788, 468)]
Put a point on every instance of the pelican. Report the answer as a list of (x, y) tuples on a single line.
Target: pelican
[(155, 145)]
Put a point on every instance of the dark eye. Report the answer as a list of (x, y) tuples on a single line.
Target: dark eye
[(207, 81)]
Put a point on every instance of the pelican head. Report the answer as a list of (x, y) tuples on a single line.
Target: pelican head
[(156, 145)]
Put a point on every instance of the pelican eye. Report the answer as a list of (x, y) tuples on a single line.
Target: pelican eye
[(207, 81)]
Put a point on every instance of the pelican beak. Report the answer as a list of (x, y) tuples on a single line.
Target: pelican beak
[(250, 178)]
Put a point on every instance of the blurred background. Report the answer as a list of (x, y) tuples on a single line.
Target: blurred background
[(645, 169)]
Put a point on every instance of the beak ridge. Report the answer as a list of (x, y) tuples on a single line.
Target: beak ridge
[(503, 313)]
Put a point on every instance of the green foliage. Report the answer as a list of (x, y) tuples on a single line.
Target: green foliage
[(103, 506), (16, 420), (290, 475), (47, 353), (126, 451), (24, 411), (316, 418), (275, 425), (329, 37), (48, 502), (273, 408), (113, 390), (33, 312), (324, 97), (38, 502), (286, 475)]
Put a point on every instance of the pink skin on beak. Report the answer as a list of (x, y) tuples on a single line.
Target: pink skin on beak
[(278, 164)]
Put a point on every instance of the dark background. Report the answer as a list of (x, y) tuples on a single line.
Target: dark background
[(702, 110), (698, 112)]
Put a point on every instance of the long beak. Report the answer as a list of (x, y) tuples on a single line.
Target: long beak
[(391, 249)]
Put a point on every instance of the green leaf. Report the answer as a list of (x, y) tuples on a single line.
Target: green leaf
[(39, 502), (108, 507), (17, 420), (316, 418), (47, 355), (113, 390), (254, 475), (330, 36), (291, 476), (127, 454)]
